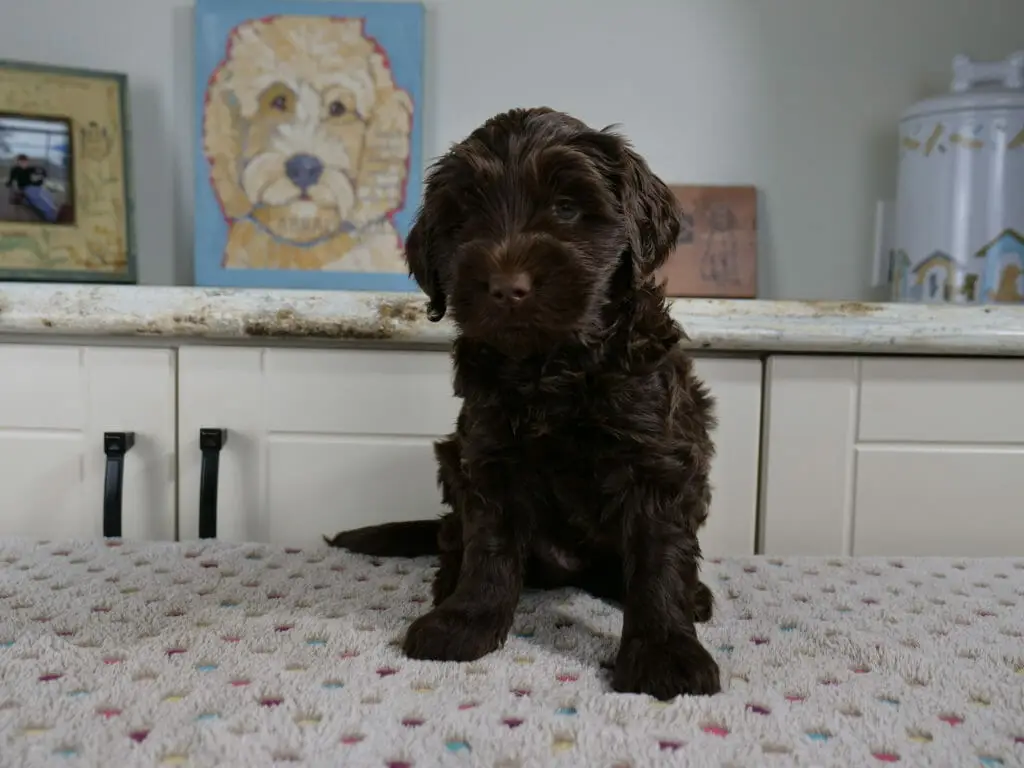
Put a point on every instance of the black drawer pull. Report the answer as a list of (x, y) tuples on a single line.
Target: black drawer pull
[(211, 440), (115, 446)]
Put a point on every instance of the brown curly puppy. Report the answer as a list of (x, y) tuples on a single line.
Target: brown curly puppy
[(582, 451)]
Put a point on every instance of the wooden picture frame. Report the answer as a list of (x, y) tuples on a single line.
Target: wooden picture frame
[(716, 253), (66, 213)]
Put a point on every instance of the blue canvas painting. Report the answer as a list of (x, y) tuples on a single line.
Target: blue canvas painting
[(308, 167)]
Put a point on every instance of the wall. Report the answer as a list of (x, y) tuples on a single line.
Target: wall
[(799, 97)]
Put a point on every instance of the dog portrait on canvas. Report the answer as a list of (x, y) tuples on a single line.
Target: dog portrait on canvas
[(308, 140)]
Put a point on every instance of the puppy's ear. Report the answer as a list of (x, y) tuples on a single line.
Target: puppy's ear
[(421, 256), (222, 145), (651, 210)]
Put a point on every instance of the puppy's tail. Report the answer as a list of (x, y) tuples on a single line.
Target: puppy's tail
[(408, 539)]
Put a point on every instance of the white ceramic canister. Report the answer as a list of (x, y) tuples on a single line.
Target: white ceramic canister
[(959, 234)]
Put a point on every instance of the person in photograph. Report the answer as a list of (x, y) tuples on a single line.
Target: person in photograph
[(29, 180)]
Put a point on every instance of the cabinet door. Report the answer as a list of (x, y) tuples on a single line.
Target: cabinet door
[(807, 488), (318, 440), (324, 440), (736, 386), (56, 402)]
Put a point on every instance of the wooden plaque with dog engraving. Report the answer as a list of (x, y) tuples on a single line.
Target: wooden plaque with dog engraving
[(716, 253)]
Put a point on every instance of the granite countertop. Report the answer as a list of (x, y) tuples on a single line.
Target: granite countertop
[(190, 314)]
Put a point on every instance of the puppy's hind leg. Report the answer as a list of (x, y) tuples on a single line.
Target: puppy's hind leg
[(703, 603), (605, 582)]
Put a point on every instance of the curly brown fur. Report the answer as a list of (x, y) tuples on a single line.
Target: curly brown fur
[(582, 451)]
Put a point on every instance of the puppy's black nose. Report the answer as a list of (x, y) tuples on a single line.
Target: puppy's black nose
[(510, 289), (304, 170)]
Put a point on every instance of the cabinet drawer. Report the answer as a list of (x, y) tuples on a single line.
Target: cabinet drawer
[(941, 400), (938, 501), (42, 387), (363, 392)]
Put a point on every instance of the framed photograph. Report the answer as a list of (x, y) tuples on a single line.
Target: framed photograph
[(308, 118), (716, 254), (65, 207)]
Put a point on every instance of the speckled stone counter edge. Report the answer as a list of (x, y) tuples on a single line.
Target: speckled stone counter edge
[(189, 315)]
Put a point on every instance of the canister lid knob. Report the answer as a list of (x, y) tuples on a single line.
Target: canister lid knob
[(1008, 73)]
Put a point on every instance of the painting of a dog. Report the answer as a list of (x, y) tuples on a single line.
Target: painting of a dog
[(308, 142)]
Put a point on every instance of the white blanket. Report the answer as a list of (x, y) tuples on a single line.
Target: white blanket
[(208, 654)]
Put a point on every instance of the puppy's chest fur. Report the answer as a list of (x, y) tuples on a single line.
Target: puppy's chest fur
[(558, 425), (568, 445)]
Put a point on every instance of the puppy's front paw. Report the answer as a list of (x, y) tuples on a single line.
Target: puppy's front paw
[(679, 666), (451, 634)]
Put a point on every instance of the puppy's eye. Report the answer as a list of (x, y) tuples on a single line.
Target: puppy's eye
[(336, 109), (565, 210), (280, 103)]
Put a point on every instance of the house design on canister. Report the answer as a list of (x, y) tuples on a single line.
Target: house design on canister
[(1002, 268), (933, 278)]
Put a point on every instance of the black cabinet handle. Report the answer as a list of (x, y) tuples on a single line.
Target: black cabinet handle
[(211, 440), (115, 446)]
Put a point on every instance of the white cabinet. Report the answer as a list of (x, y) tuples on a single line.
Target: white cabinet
[(56, 403), (860, 455), (893, 456), (324, 440)]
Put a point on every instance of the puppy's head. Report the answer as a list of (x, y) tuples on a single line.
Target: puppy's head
[(535, 224), (287, 118)]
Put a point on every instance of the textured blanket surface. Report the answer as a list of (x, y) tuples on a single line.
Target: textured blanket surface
[(203, 654)]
